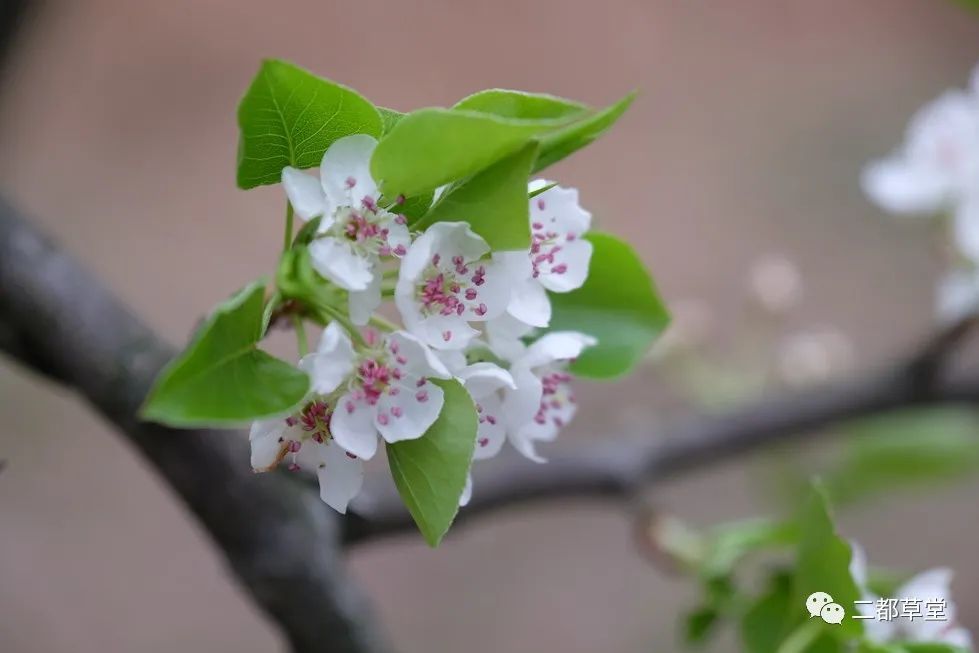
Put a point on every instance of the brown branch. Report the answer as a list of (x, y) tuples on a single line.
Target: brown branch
[(278, 539), (619, 468)]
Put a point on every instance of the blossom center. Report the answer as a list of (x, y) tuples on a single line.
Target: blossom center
[(451, 288)]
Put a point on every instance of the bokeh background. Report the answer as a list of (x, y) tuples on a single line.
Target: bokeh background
[(117, 133)]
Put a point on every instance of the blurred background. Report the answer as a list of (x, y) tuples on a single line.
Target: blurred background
[(117, 133)]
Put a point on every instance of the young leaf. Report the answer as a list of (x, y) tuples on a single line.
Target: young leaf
[(493, 202), (288, 117), (567, 140), (583, 127), (222, 378), (518, 104), (430, 472), (618, 305), (431, 147), (823, 564), (389, 118)]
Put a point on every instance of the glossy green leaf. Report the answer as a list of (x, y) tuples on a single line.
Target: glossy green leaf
[(765, 622), (584, 124), (389, 118), (222, 378), (618, 305), (823, 565), (430, 472), (432, 147), (494, 202), (728, 544), (288, 117), (518, 104), (558, 144)]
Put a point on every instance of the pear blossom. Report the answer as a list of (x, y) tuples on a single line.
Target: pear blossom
[(542, 402), (933, 586), (383, 389), (558, 258), (484, 381), (305, 439), (446, 282), (937, 167), (354, 232)]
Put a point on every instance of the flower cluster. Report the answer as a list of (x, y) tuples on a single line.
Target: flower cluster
[(936, 172), (467, 312)]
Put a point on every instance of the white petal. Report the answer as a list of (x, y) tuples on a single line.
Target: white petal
[(858, 565), (453, 359), (958, 636), (556, 346), (340, 474), (522, 403), (336, 261), (491, 430), (352, 426), (575, 258), (363, 303), (304, 192), (398, 233), (420, 360), (483, 379), (504, 335), (332, 362), (526, 447), (900, 186), (967, 226), (467, 491), (557, 210), (529, 303), (444, 332), (349, 160), (267, 446), (493, 296), (452, 239), (408, 414)]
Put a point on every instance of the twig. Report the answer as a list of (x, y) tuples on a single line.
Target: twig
[(619, 468), (278, 540)]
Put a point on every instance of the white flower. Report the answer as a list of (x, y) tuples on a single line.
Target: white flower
[(542, 402), (937, 167), (305, 438), (445, 282), (558, 258), (380, 390), (932, 586), (353, 232), (505, 334)]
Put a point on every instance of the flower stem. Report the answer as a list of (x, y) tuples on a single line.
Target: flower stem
[(301, 341), (381, 323), (338, 316), (288, 235)]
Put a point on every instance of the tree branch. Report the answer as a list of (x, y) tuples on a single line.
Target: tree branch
[(619, 468), (277, 537)]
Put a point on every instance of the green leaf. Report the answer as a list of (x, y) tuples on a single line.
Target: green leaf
[(518, 104), (288, 117), (494, 202), (618, 305), (222, 378), (764, 624), (563, 142), (583, 127), (823, 565), (389, 118), (905, 450), (431, 147), (730, 543), (700, 624), (430, 472)]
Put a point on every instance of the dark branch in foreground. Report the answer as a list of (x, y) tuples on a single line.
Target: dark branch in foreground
[(620, 468), (280, 542)]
